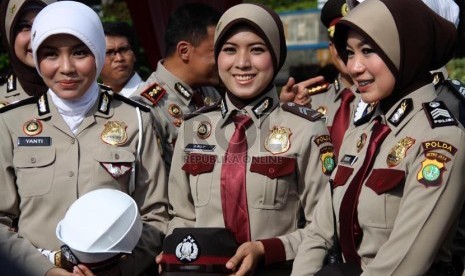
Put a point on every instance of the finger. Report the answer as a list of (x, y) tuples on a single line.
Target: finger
[(158, 258), (235, 260), (245, 268), (290, 82)]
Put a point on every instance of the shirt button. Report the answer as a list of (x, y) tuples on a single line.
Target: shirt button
[(116, 156), (73, 141), (71, 174), (33, 160)]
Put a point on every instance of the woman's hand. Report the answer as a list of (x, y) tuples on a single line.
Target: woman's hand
[(246, 259), (58, 272), (298, 92), (158, 259)]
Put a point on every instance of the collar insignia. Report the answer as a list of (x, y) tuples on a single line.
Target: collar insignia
[(401, 112), (11, 83), (153, 93), (262, 107), (42, 105), (183, 91), (104, 103)]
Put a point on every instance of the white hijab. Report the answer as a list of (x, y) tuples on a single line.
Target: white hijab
[(76, 19)]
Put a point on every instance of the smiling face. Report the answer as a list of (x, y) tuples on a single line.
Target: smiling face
[(67, 66), (22, 42), (245, 64), (370, 73)]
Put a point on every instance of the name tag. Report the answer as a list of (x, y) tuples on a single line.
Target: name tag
[(34, 141), (202, 147), (349, 159)]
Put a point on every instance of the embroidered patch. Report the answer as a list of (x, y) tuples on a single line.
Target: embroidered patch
[(438, 114), (278, 141), (399, 151), (302, 111), (187, 250), (430, 173), (435, 145), (153, 93), (322, 139), (327, 159)]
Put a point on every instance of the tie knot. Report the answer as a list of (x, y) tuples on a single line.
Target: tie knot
[(242, 121), (380, 131), (347, 95)]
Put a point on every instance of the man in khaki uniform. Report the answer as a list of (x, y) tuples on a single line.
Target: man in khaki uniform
[(409, 198), (183, 80)]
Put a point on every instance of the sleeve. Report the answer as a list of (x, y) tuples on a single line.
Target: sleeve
[(19, 249), (150, 195), (318, 238), (427, 213), (312, 176), (179, 192)]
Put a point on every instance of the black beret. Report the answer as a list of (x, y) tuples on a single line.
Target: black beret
[(333, 9), (198, 250)]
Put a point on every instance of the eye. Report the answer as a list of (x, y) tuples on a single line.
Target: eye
[(348, 52), (24, 27), (47, 54), (258, 50), (366, 50), (81, 53), (228, 49)]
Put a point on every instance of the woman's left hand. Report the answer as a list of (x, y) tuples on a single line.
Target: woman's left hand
[(82, 270), (246, 259)]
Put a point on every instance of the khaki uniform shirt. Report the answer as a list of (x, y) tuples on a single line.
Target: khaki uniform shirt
[(408, 203), (278, 186), (11, 91), (45, 168), (170, 107), (328, 102)]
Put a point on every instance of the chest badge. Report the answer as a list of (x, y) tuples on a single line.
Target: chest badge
[(278, 141), (32, 127), (204, 130), (114, 133), (399, 151), (361, 141)]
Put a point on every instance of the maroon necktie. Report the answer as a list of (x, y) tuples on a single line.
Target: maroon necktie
[(350, 232), (341, 119), (233, 189)]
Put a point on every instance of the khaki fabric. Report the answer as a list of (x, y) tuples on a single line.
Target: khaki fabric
[(11, 91), (276, 191), (39, 182), (407, 225)]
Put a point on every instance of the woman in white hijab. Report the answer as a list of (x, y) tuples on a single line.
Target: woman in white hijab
[(74, 139)]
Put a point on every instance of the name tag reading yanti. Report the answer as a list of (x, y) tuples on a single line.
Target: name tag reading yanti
[(34, 141)]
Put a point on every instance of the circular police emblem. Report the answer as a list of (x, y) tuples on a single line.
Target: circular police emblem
[(434, 104), (431, 172), (175, 111), (187, 250), (204, 130), (329, 163), (32, 127)]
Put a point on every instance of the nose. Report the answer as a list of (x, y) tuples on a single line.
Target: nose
[(243, 60), (118, 56), (355, 65), (67, 65)]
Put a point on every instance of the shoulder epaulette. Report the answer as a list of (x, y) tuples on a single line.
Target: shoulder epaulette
[(302, 111), (457, 87), (14, 105), (319, 88), (438, 114), (131, 102), (202, 110), (154, 92)]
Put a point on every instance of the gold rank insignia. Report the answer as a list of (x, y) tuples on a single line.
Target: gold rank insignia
[(278, 141), (399, 151), (32, 127), (318, 88), (153, 93), (322, 110), (432, 168), (114, 133), (204, 130), (327, 159), (361, 141), (3, 104), (175, 111)]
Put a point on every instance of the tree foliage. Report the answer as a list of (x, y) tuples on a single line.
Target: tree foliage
[(286, 5)]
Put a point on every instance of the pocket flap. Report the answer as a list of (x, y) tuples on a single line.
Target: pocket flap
[(113, 155), (273, 166), (198, 163), (33, 157), (383, 180), (342, 175)]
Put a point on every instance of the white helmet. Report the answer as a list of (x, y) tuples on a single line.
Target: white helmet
[(100, 225)]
